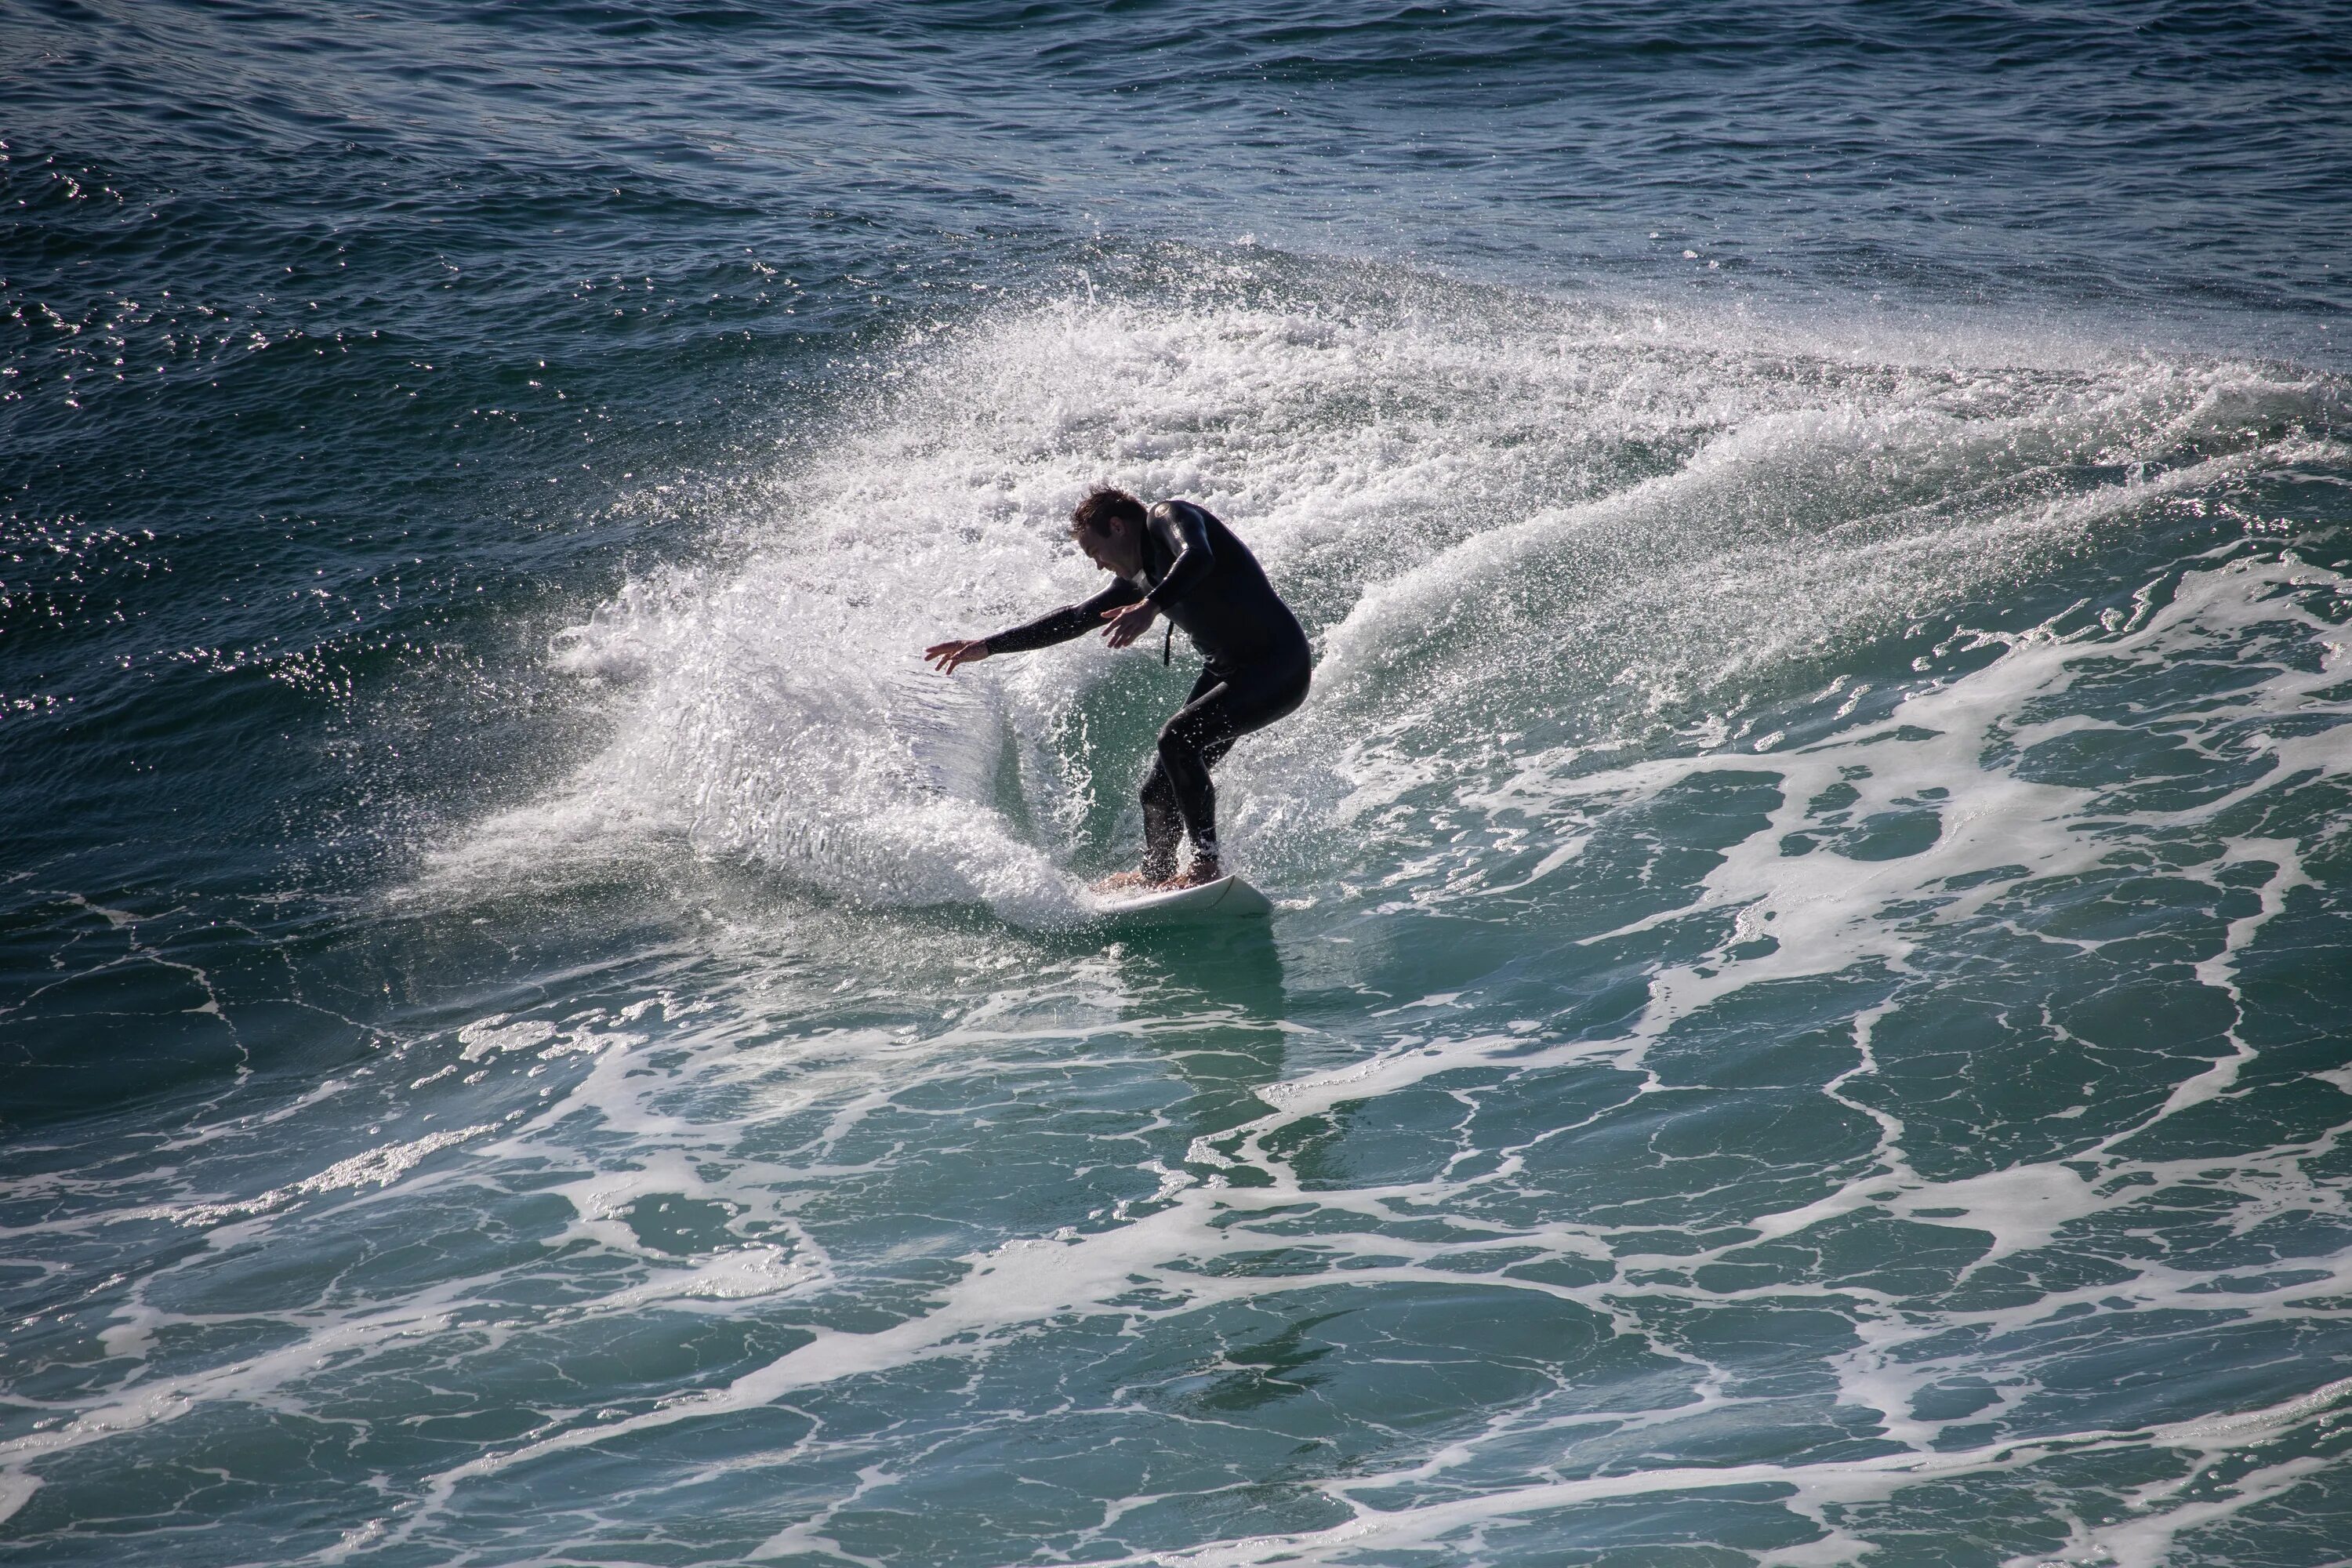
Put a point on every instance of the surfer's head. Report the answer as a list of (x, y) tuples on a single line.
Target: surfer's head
[(1108, 526)]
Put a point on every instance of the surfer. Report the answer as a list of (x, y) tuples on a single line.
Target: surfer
[(1177, 560)]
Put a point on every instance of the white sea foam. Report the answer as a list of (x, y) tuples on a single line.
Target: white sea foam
[(1994, 822), (1602, 514)]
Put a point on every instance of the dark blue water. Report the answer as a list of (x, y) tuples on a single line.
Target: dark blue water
[(1805, 1022)]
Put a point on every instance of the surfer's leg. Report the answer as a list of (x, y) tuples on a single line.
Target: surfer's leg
[(1163, 824), (1163, 818), (1184, 741), (1205, 729)]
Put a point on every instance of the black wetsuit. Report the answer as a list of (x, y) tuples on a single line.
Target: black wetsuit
[(1204, 580)]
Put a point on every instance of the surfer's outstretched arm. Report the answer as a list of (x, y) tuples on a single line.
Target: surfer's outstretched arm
[(1054, 626)]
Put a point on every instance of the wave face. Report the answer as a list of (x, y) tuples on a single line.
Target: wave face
[(1804, 1021), (1514, 527)]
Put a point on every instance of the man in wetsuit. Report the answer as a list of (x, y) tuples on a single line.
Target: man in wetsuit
[(1176, 559)]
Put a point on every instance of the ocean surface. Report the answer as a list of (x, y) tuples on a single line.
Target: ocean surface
[(1808, 1019)]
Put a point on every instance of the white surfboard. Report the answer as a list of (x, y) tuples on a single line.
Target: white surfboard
[(1227, 898)]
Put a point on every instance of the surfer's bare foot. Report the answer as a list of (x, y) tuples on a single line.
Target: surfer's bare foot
[(1199, 874), (1124, 882)]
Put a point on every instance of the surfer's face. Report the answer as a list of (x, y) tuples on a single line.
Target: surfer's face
[(1115, 549)]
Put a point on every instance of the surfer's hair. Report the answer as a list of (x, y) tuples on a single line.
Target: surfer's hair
[(1102, 504)]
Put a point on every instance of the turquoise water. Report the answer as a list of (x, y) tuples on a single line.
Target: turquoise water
[(1805, 1022)]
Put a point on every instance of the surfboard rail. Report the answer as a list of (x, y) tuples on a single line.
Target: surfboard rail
[(1227, 898)]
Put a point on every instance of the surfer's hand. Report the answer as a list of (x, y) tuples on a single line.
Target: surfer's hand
[(948, 655), (1129, 623)]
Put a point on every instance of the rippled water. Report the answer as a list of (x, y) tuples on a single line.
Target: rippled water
[(1805, 1022)]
